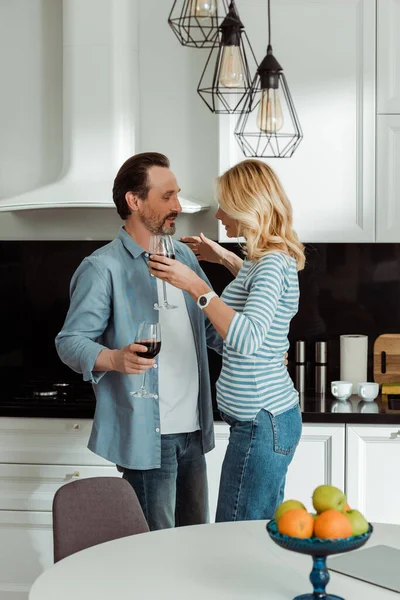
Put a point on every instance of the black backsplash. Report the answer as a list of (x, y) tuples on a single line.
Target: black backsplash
[(345, 288)]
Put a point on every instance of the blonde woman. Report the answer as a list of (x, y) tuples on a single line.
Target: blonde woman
[(255, 394)]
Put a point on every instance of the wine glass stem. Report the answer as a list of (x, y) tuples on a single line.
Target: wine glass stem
[(144, 382), (319, 576), (165, 292)]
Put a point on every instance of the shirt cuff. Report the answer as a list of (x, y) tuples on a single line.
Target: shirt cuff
[(88, 360)]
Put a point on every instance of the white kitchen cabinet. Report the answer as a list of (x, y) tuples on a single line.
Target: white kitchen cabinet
[(37, 457), (327, 51), (388, 178), (26, 550), (320, 458), (388, 56), (372, 471)]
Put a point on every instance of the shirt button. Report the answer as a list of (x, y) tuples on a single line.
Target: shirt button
[(155, 366), (147, 255), (158, 430), (155, 305), (156, 396)]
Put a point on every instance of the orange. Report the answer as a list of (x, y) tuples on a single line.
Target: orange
[(332, 524), (296, 522)]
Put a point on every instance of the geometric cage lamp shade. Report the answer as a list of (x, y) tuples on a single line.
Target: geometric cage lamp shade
[(269, 126), (228, 73), (195, 22)]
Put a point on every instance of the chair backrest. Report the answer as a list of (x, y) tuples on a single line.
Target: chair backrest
[(90, 511)]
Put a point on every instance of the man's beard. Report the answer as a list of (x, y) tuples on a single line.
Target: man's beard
[(155, 225)]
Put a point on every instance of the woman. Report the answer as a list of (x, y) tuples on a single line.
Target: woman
[(255, 394)]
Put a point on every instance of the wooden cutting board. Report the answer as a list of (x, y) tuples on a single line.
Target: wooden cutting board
[(387, 358)]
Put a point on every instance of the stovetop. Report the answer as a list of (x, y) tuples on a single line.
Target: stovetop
[(48, 394)]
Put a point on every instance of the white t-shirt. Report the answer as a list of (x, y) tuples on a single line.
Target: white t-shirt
[(178, 375)]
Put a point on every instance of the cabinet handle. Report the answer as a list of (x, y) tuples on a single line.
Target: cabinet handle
[(76, 426), (395, 434), (75, 475)]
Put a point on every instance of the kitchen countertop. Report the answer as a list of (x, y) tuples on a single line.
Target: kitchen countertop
[(315, 409)]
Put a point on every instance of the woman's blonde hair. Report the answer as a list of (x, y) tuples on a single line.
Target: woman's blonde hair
[(251, 193)]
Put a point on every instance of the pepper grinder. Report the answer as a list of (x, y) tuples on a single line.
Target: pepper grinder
[(321, 366), (300, 371)]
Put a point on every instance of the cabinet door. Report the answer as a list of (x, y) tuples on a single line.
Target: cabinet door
[(319, 459), (372, 471), (32, 487), (47, 442), (388, 56), (214, 460), (388, 179), (327, 51), (26, 550)]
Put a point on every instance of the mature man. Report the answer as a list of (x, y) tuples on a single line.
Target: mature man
[(159, 443)]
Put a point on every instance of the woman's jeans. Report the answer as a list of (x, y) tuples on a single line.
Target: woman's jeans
[(256, 462)]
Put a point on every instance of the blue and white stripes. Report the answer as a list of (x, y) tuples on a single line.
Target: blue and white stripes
[(265, 296)]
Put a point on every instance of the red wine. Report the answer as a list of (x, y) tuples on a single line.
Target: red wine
[(153, 348)]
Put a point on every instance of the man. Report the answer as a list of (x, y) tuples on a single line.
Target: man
[(159, 443)]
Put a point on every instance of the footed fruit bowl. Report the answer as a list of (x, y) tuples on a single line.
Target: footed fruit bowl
[(319, 550)]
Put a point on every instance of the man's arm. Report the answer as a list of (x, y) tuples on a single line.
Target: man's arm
[(86, 321)]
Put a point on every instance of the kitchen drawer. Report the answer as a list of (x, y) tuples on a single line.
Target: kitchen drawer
[(32, 487), (47, 441)]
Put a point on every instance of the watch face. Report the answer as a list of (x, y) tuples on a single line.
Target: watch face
[(203, 300)]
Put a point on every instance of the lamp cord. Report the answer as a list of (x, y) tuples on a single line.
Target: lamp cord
[(269, 22)]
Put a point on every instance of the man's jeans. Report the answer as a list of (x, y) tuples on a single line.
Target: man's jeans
[(176, 494), (255, 465)]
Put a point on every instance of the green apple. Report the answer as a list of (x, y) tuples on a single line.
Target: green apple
[(359, 523), (287, 505), (328, 497)]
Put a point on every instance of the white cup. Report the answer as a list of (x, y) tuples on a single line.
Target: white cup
[(368, 390), (342, 390)]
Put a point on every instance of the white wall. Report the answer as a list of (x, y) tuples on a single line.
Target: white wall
[(173, 119)]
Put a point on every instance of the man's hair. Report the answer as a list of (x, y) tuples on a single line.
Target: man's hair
[(133, 177)]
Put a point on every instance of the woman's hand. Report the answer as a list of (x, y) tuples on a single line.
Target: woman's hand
[(177, 274), (204, 248)]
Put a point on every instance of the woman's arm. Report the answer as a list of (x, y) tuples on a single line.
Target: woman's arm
[(246, 331), (210, 251)]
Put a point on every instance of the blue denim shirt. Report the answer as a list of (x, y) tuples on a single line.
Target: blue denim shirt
[(111, 292)]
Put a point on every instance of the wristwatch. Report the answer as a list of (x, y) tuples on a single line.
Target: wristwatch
[(204, 299)]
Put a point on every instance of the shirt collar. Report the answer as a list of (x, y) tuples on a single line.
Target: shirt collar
[(129, 243)]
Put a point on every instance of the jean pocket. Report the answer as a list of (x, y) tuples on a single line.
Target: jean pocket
[(286, 430)]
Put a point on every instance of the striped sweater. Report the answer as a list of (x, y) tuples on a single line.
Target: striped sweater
[(265, 296)]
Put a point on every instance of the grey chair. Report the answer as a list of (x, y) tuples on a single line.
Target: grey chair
[(94, 510)]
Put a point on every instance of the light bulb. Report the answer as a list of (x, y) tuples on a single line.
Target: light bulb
[(270, 117), (203, 8), (231, 73)]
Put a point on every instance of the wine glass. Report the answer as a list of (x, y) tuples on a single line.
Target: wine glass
[(149, 335), (163, 245)]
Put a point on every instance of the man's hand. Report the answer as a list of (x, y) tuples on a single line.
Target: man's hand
[(285, 359), (124, 360)]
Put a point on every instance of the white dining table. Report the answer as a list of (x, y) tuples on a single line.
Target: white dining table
[(208, 562)]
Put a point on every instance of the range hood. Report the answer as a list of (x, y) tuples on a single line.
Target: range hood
[(100, 107)]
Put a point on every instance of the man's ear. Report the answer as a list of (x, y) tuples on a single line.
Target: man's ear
[(132, 201)]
